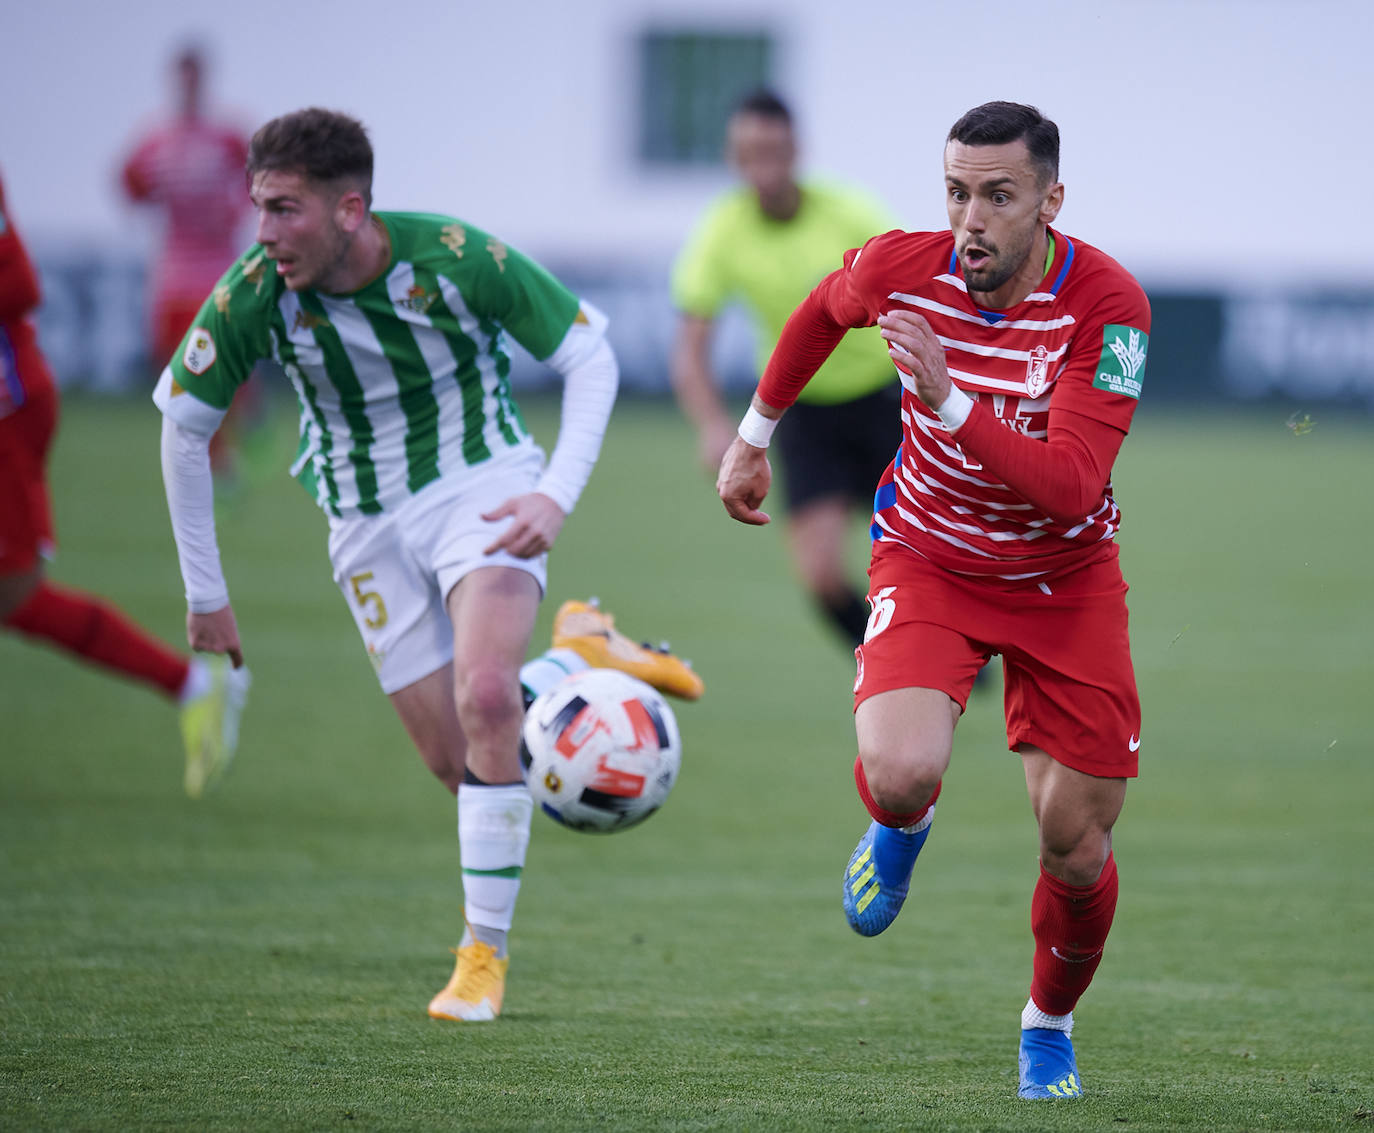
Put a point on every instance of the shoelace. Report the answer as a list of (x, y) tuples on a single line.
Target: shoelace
[(476, 971)]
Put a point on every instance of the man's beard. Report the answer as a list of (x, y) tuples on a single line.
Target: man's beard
[(999, 269)]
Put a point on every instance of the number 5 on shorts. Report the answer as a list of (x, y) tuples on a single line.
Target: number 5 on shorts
[(365, 596)]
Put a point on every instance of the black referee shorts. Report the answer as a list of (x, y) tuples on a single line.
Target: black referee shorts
[(839, 449)]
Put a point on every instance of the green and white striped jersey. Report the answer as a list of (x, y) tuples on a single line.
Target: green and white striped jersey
[(400, 382)]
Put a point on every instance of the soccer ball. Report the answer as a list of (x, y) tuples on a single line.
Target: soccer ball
[(601, 751)]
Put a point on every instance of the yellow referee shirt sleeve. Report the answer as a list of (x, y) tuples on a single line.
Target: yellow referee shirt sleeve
[(701, 280)]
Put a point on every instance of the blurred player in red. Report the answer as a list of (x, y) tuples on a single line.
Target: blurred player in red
[(191, 170), (1021, 354), (210, 694)]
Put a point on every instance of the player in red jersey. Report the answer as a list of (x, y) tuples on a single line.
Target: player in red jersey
[(210, 696), (1021, 354), (191, 170)]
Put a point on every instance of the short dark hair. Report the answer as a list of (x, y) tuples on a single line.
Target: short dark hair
[(322, 145), (766, 104), (999, 123)]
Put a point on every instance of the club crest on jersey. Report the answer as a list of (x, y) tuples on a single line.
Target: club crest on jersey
[(1121, 367), (418, 300), (199, 355), (1037, 372)]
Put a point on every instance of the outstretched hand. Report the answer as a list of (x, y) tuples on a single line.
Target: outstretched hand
[(215, 632), (744, 479), (535, 521)]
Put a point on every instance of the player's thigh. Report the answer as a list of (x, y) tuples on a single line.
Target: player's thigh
[(905, 738), (1070, 685), (492, 610), (443, 525), (395, 603)]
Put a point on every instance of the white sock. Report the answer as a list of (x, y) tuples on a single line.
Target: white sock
[(1032, 1018), (493, 835), (197, 682), (546, 670), (922, 823)]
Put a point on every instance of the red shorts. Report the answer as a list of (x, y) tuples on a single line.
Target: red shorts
[(26, 529), (1066, 659)]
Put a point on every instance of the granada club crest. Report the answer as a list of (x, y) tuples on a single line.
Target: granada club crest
[(1037, 372)]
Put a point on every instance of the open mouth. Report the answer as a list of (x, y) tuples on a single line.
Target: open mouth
[(976, 258)]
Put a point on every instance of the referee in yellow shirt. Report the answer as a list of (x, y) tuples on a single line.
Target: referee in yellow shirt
[(767, 243)]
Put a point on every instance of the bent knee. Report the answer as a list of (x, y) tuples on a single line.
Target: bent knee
[(902, 783), (488, 695), (1077, 859)]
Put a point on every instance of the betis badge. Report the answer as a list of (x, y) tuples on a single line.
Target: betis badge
[(200, 351), (1121, 369)]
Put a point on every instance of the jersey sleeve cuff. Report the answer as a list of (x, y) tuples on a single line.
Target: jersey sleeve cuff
[(183, 407)]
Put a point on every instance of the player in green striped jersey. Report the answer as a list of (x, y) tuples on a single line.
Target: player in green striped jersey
[(391, 327)]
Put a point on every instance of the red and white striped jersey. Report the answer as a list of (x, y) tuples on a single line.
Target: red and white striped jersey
[(193, 170), (1075, 345)]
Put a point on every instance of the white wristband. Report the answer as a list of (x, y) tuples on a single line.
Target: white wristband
[(756, 429), (954, 410)]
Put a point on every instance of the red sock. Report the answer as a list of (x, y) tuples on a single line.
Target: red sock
[(1070, 924), (99, 633), (887, 817)]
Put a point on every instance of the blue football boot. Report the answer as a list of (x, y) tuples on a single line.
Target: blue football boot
[(878, 874), (1048, 1067)]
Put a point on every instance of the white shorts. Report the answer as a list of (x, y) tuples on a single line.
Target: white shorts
[(396, 569)]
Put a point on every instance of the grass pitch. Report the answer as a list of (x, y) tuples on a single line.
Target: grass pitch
[(262, 959)]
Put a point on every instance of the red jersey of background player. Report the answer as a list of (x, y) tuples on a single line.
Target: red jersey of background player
[(194, 169), (23, 371), (1074, 346)]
